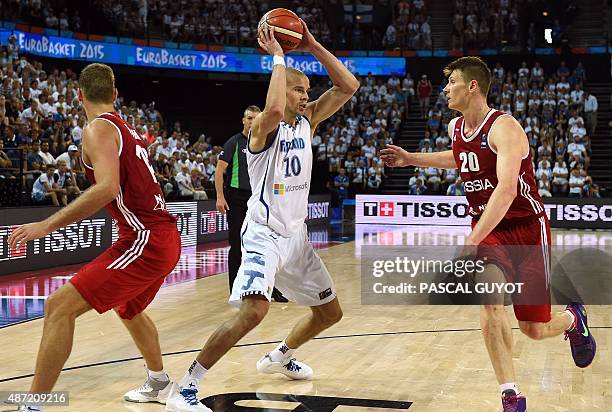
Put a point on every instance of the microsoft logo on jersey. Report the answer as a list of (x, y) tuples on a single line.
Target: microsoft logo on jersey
[(279, 189)]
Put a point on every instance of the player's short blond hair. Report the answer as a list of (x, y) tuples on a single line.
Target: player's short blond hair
[(97, 82), (471, 68)]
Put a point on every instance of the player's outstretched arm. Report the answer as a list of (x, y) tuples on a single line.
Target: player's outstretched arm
[(267, 121), (345, 84), (101, 143), (395, 156), (510, 141)]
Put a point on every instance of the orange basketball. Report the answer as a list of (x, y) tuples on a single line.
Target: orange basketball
[(288, 29)]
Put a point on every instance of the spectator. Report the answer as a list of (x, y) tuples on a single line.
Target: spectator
[(590, 112), (456, 188), (418, 188), (544, 188), (64, 180), (424, 90), (576, 182), (560, 175), (5, 161), (71, 157), (186, 187), (45, 188), (341, 184), (47, 157)]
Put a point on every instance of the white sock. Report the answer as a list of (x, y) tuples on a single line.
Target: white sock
[(281, 352), (158, 376), (571, 325), (194, 376), (511, 385)]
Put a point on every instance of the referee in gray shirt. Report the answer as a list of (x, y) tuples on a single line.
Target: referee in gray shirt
[(235, 193)]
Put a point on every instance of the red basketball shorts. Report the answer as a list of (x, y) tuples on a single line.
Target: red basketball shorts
[(523, 251), (128, 275)]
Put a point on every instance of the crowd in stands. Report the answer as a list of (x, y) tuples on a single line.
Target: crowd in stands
[(41, 127), (493, 23), (410, 27), (348, 144), (558, 117)]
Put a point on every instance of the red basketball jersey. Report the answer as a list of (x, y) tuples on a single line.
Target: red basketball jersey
[(140, 204), (477, 164)]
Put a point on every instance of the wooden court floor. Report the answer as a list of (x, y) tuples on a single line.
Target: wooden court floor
[(432, 356)]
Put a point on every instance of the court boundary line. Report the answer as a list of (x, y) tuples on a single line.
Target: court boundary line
[(245, 345)]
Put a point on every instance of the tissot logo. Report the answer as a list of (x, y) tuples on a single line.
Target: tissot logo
[(82, 235)]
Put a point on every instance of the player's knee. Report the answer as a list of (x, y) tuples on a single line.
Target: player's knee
[(492, 311), (55, 306), (330, 317), (253, 315), (532, 330)]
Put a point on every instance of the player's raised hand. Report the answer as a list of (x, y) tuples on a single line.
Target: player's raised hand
[(308, 39), (267, 41), (395, 156), (25, 233)]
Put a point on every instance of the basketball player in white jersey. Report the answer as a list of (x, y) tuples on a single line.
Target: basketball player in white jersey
[(275, 247)]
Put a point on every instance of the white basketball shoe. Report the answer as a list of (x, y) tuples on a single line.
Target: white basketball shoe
[(185, 400), (25, 408), (152, 391), (290, 367)]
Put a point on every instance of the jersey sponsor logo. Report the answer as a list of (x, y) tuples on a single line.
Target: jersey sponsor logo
[(477, 185), (477, 211), (294, 144), (483, 141), (281, 189), (160, 204)]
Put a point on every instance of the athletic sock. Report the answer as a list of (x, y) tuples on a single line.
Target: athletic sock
[(194, 376), (158, 376), (572, 325), (509, 386), (281, 352)]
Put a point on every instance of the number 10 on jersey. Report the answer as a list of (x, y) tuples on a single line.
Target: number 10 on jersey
[(294, 164)]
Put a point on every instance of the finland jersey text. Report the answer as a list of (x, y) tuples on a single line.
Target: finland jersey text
[(280, 179)]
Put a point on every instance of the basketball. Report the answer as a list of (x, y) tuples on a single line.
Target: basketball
[(288, 28)]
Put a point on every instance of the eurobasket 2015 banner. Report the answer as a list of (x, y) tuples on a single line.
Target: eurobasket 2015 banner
[(132, 55)]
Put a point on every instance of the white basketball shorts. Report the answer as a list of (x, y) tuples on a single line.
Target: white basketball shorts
[(289, 263)]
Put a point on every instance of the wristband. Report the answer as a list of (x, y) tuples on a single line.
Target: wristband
[(278, 60)]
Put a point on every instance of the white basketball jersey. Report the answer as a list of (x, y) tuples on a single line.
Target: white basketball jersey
[(280, 179)]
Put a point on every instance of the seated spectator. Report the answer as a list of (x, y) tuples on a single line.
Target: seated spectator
[(560, 175), (186, 188), (64, 180), (5, 162), (589, 189), (432, 175), (418, 189), (45, 188), (198, 180), (456, 188), (70, 157), (544, 188), (374, 181), (576, 183), (47, 157)]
